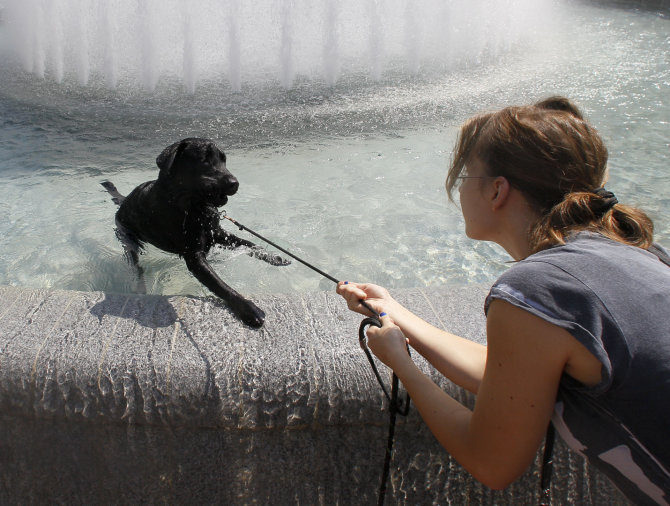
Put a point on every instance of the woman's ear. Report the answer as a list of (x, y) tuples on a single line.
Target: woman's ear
[(501, 192)]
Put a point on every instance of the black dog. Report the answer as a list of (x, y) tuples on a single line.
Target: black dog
[(178, 213)]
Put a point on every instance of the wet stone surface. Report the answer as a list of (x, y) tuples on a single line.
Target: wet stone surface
[(147, 399)]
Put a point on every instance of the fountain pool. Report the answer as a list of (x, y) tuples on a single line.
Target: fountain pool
[(338, 118)]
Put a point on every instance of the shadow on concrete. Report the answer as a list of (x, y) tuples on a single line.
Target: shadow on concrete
[(152, 311)]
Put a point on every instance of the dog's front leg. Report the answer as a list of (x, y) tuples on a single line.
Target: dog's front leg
[(133, 258), (244, 309), (232, 241)]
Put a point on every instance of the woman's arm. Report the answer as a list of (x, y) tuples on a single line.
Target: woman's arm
[(497, 440), (461, 360)]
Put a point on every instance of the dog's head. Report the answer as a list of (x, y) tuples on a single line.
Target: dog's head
[(194, 170)]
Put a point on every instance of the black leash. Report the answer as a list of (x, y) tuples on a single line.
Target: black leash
[(547, 464), (242, 227), (395, 407)]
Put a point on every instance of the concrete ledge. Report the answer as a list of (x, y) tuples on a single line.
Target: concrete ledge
[(125, 399)]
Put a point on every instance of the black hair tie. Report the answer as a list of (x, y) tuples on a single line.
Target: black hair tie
[(609, 200)]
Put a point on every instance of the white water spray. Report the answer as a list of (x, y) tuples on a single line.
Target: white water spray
[(331, 63), (189, 66), (411, 39), (54, 38), (234, 51), (109, 59), (138, 43), (286, 51), (146, 13), (82, 44), (375, 43)]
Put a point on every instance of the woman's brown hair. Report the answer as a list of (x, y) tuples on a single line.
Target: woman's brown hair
[(557, 160)]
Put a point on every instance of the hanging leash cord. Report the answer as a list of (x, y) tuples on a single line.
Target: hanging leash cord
[(547, 464), (395, 407)]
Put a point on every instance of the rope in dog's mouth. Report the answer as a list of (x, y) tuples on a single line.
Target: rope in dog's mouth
[(395, 406)]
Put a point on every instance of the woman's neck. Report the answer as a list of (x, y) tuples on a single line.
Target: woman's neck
[(516, 224)]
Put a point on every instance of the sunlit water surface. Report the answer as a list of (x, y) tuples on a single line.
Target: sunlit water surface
[(350, 176)]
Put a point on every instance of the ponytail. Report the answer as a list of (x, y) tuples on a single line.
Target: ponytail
[(588, 211)]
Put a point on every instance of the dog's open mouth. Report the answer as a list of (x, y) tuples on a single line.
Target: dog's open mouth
[(219, 200), (216, 198), (217, 195)]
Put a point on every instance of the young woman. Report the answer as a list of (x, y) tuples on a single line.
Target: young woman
[(577, 327)]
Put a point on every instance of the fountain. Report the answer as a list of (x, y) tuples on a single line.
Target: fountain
[(143, 41), (338, 118)]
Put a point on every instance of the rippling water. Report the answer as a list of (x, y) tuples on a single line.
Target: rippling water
[(350, 176)]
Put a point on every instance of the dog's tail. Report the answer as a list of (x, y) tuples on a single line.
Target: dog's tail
[(117, 198)]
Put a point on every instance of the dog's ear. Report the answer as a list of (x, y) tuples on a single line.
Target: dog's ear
[(213, 154), (168, 155)]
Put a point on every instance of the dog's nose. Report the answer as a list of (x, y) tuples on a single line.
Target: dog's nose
[(232, 186)]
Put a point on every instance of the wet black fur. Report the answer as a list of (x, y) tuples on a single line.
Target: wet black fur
[(178, 213)]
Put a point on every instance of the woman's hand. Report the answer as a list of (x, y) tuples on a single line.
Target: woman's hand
[(388, 342), (377, 297)]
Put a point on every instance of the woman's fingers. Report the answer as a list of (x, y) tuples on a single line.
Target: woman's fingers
[(346, 288), (386, 321), (353, 294), (387, 342), (376, 297)]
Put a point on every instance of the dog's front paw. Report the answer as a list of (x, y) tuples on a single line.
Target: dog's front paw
[(270, 258), (250, 314), (277, 260)]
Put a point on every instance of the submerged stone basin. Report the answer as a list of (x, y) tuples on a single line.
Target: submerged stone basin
[(118, 399)]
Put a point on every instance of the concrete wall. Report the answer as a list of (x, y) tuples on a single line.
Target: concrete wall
[(117, 399)]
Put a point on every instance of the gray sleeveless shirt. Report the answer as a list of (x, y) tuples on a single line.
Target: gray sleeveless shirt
[(615, 300)]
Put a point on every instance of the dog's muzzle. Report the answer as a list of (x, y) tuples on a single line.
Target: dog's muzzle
[(232, 186), (219, 196)]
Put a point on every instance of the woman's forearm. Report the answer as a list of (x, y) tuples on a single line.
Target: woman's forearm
[(451, 424), (461, 360), (498, 439)]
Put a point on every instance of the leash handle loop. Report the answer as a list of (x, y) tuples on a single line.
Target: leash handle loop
[(395, 405)]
